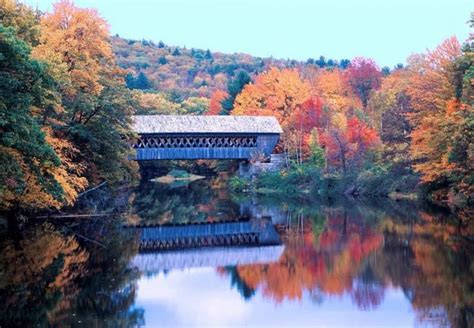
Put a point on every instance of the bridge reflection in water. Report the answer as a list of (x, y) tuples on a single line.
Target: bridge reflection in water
[(168, 247), (151, 263)]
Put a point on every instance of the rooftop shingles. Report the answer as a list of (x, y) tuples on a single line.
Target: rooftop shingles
[(143, 124)]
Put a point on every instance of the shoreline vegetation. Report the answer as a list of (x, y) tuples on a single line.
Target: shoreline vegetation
[(310, 182), (68, 90)]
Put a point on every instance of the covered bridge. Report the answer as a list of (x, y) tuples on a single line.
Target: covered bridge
[(164, 137)]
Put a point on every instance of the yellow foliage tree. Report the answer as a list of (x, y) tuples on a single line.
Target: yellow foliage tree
[(333, 88), (275, 92), (433, 99), (75, 41), (156, 103), (69, 173)]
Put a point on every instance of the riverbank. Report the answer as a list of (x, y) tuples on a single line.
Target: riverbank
[(376, 182)]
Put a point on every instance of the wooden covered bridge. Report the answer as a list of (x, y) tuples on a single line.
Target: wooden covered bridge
[(165, 137)]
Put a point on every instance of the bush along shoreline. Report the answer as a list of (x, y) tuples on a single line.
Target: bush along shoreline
[(310, 181)]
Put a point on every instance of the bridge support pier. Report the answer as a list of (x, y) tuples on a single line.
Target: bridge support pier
[(248, 169)]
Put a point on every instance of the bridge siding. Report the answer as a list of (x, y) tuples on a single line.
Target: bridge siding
[(198, 230), (265, 145), (194, 153)]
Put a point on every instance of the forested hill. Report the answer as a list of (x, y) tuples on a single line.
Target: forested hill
[(193, 72)]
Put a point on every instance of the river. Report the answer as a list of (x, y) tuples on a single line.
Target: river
[(338, 263)]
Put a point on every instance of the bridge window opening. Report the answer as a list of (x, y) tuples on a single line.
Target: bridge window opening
[(196, 142)]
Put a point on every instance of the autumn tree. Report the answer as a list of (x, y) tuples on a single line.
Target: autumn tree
[(390, 106), (25, 21), (335, 140), (215, 104), (195, 106), (275, 92), (347, 141), (155, 103), (301, 131), (279, 93), (97, 105), (363, 76), (333, 86), (439, 112), (32, 175)]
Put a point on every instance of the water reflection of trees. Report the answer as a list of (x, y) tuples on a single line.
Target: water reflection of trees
[(431, 260), (65, 273), (360, 251), (49, 276), (156, 203), (325, 261), (35, 272)]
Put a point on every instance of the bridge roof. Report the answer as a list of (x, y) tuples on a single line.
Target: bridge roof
[(143, 124), (153, 263)]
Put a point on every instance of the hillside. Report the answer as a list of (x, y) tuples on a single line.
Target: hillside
[(192, 72)]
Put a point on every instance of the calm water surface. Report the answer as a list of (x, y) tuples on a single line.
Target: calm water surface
[(341, 263)]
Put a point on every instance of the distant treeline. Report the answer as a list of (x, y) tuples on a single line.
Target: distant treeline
[(195, 72)]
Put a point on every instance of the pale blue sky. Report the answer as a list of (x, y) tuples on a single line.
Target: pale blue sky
[(386, 30)]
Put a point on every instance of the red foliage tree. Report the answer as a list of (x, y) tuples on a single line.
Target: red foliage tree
[(363, 76), (309, 115), (346, 144)]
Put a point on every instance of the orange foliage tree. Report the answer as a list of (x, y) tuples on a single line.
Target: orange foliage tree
[(333, 87), (279, 93), (275, 92), (215, 104), (433, 98), (75, 41), (95, 106)]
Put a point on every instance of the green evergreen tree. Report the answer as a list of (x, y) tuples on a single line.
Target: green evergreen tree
[(130, 81), (321, 62), (234, 87), (142, 82), (344, 63), (162, 60)]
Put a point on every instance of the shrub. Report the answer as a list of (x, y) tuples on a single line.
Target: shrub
[(374, 182), (239, 184)]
